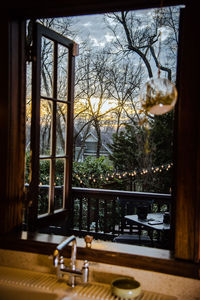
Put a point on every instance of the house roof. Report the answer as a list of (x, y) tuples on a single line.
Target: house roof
[(91, 137)]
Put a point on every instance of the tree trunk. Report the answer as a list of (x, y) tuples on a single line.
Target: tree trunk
[(99, 141)]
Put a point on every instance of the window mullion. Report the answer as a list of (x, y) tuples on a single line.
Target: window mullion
[(69, 131), (53, 130), (35, 131)]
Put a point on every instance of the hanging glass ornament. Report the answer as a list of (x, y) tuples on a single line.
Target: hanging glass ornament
[(158, 96)]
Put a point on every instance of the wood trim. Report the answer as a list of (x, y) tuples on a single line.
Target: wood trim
[(122, 194), (69, 132), (187, 182), (60, 8), (38, 32), (12, 108), (53, 128), (107, 252), (51, 218), (197, 204), (54, 36), (33, 189)]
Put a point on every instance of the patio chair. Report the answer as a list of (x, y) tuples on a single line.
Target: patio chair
[(129, 207)]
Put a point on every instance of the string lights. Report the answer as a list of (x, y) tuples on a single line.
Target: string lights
[(124, 175)]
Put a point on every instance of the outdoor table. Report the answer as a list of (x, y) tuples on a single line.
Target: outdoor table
[(154, 221)]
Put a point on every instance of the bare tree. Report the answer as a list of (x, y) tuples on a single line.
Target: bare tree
[(135, 33), (105, 89), (105, 93), (125, 80), (92, 91)]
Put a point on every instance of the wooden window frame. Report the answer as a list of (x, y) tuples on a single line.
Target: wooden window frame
[(38, 32), (185, 258)]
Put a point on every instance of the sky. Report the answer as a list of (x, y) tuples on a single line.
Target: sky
[(92, 28)]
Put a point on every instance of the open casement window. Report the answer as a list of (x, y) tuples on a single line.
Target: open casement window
[(184, 260), (51, 137)]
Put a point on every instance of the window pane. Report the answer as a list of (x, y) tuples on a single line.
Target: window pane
[(43, 203), (46, 67), (45, 127), (61, 116), (59, 181), (118, 144), (28, 119), (62, 72)]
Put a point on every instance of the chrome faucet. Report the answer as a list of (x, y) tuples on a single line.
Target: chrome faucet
[(58, 262)]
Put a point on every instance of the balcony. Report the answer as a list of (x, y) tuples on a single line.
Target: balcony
[(101, 213)]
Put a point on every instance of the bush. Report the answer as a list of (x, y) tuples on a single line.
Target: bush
[(91, 173)]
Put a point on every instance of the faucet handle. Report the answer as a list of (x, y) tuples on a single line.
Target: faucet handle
[(55, 258), (88, 241), (61, 262), (85, 272), (85, 264)]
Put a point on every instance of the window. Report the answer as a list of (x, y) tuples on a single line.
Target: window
[(187, 139), (109, 76), (49, 121), (120, 51), (111, 72)]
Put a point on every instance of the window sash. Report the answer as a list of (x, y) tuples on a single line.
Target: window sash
[(39, 32)]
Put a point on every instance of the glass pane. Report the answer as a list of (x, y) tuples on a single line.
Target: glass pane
[(117, 144), (28, 120), (62, 72), (61, 116), (45, 127), (76, 215), (43, 203), (59, 181), (46, 67)]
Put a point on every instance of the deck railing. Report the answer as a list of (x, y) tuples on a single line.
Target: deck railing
[(101, 212)]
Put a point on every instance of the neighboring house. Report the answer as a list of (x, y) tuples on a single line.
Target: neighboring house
[(89, 148)]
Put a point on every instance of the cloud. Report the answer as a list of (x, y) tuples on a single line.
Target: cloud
[(164, 33), (109, 37), (92, 26), (88, 24), (96, 42)]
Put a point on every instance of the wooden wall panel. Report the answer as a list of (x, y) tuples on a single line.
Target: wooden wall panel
[(12, 129), (3, 119), (187, 183)]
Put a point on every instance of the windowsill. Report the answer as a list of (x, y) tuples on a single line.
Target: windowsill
[(145, 258)]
